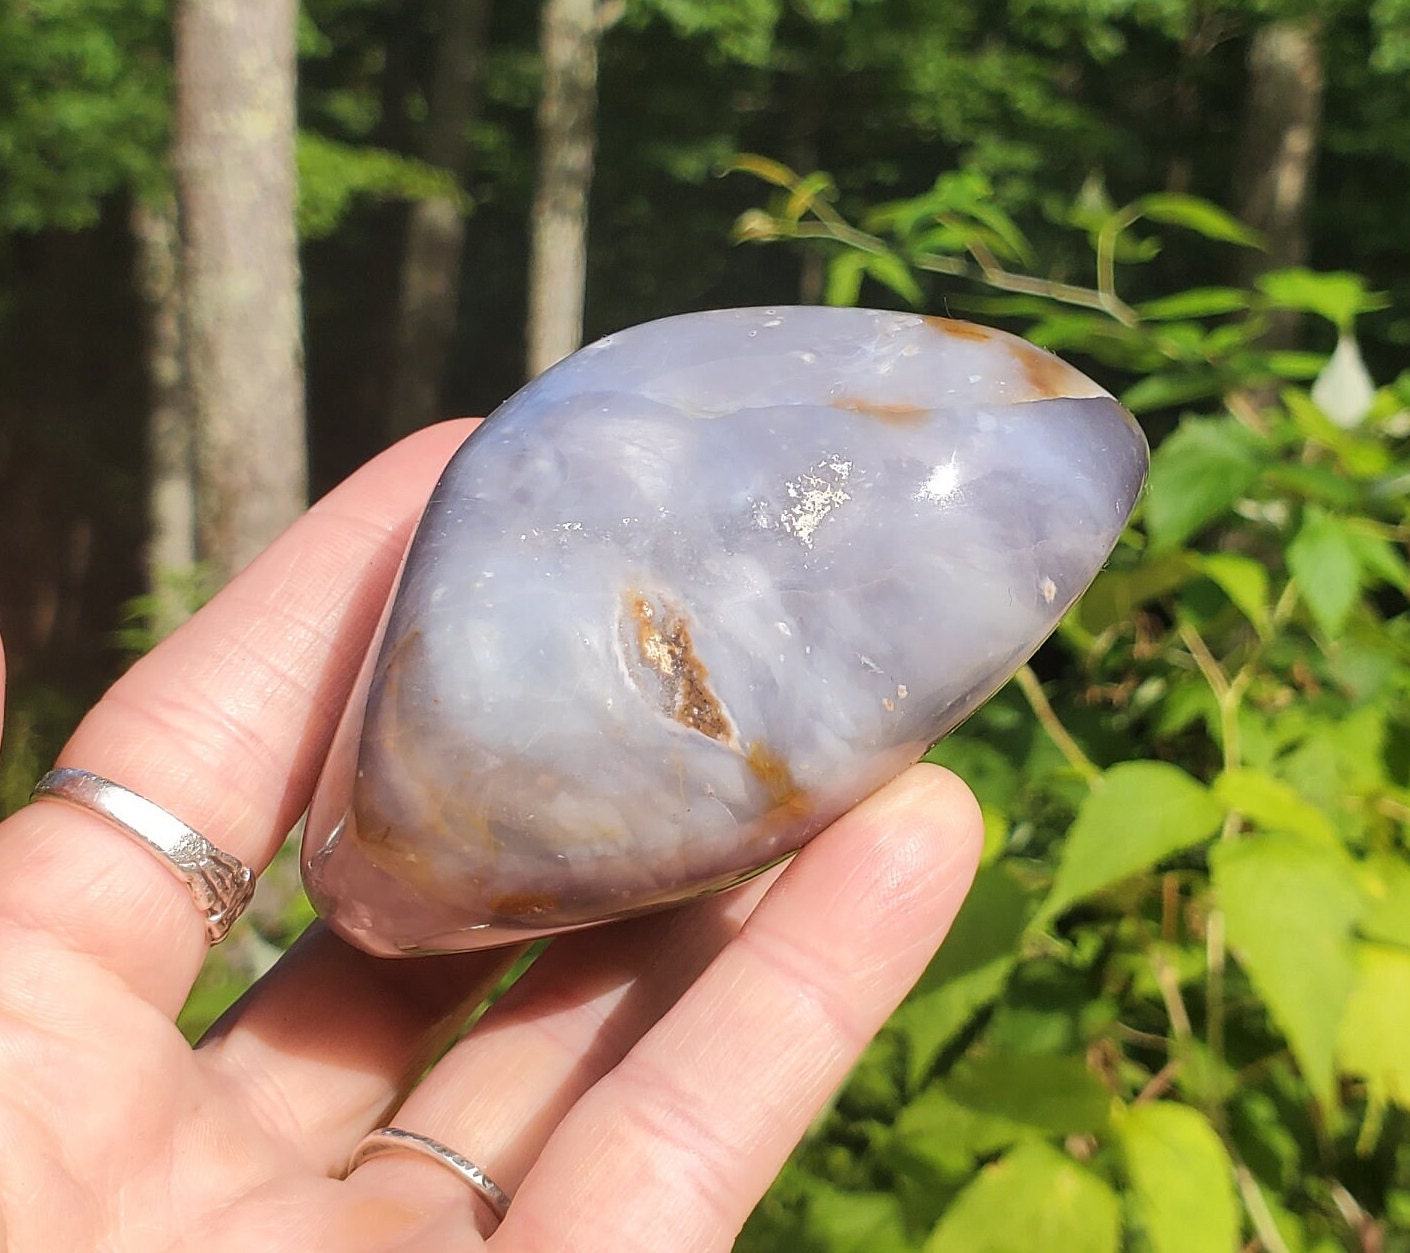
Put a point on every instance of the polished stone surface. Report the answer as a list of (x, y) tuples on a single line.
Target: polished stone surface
[(691, 595)]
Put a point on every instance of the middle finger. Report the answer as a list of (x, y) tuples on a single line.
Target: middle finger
[(329, 1039)]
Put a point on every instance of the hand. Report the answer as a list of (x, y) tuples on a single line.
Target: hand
[(637, 1090)]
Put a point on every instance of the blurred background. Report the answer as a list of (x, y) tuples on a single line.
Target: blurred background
[(240, 252)]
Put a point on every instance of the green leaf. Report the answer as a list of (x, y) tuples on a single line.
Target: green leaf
[(969, 971), (1363, 457), (1052, 1093), (991, 773), (838, 1221), (219, 986), (1375, 1032), (1033, 1198), (1209, 220), (1196, 476), (1116, 594), (1139, 814), (1310, 419), (844, 278), (1290, 364), (1336, 296), (1245, 582), (815, 186), (1198, 302), (996, 834), (1377, 556), (1322, 483), (1273, 805), (1182, 1183), (948, 1137), (770, 171), (1326, 566), (333, 175), (1386, 879), (1169, 389), (888, 269), (1290, 904), (1268, 1145)]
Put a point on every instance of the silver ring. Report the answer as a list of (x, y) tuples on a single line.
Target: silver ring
[(220, 884), (394, 1139)]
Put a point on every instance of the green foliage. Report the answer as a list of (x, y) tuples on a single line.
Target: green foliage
[(742, 30), (149, 618), (332, 175), (85, 111), (1174, 1013), (1181, 1181), (1140, 813), (1041, 1199), (38, 719), (83, 107)]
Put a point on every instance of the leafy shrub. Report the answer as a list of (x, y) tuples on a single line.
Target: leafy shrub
[(1175, 1012)]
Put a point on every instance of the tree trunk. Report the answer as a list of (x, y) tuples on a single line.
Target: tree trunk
[(236, 183), (435, 235), (802, 145), (569, 33), (171, 467), (1278, 149)]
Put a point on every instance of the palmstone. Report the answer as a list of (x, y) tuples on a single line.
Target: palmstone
[(691, 595)]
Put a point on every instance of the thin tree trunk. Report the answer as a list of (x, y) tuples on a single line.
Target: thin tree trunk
[(236, 181), (569, 33), (1278, 148), (801, 144), (171, 468), (435, 235)]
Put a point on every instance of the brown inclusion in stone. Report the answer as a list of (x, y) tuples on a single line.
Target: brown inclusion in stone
[(664, 647), (960, 330), (1049, 376), (892, 415), (772, 771), (523, 906)]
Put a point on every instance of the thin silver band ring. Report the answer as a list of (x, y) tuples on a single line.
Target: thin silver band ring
[(220, 884), (395, 1139)]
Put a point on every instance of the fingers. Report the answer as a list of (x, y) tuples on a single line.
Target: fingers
[(686, 1133), (331, 1039), (693, 1048), (327, 1042), (224, 724), (497, 1096)]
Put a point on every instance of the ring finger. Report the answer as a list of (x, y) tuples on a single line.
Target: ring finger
[(558, 1091), (330, 1036), (224, 724)]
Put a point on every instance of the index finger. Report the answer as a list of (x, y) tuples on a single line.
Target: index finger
[(225, 724)]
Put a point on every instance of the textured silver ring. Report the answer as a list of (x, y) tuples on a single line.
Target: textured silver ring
[(220, 884), (394, 1140)]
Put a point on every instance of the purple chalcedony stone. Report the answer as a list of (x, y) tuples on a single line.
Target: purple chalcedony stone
[(691, 595)]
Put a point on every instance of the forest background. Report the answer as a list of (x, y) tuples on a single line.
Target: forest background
[(1176, 1012)]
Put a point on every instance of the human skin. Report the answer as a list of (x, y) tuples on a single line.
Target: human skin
[(637, 1090)]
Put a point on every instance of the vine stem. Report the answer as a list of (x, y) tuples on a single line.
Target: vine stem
[(1168, 982), (1259, 1213), (1072, 752), (1229, 696), (831, 225)]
